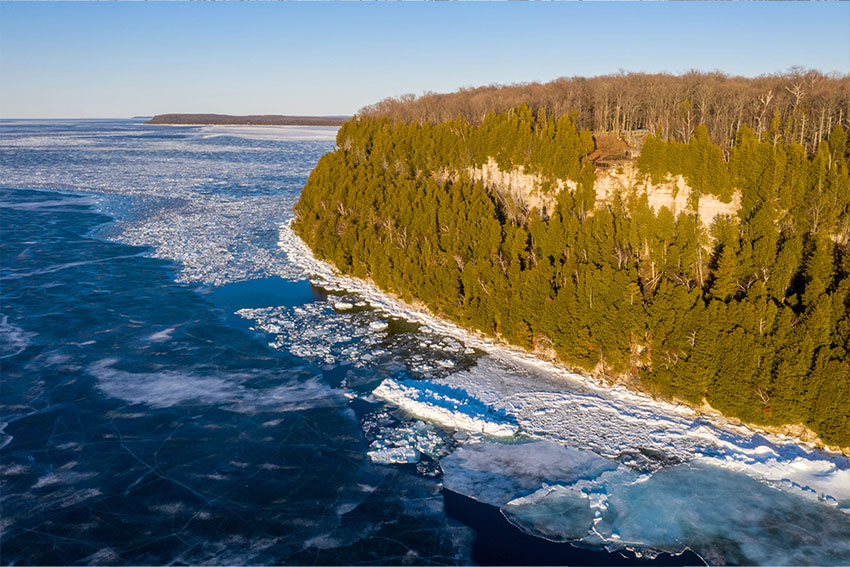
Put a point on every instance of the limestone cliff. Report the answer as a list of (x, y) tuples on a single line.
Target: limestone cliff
[(535, 191)]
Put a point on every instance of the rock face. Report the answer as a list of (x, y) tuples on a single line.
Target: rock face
[(674, 194), (525, 189), (531, 190)]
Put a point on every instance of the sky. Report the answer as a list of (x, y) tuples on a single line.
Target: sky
[(99, 60)]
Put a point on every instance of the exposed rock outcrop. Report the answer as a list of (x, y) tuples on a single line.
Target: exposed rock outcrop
[(535, 191)]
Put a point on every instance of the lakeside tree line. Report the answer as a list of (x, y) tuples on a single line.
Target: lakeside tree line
[(808, 104), (751, 314)]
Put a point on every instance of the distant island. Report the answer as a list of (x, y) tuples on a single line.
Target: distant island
[(250, 120)]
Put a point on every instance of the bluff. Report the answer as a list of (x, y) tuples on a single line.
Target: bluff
[(672, 265)]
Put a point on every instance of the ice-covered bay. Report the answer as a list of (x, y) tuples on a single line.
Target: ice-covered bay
[(208, 198)]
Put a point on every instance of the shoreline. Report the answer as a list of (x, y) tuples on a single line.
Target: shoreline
[(208, 124), (200, 119), (783, 461), (419, 313)]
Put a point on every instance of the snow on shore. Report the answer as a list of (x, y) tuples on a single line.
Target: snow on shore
[(549, 402)]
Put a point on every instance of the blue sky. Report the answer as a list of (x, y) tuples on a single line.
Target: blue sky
[(125, 59)]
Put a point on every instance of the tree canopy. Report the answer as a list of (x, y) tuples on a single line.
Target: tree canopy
[(801, 105), (751, 314)]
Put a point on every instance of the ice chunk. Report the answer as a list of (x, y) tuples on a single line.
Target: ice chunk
[(496, 473), (557, 513), (446, 406), (391, 455)]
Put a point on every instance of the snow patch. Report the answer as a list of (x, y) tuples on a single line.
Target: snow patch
[(446, 406)]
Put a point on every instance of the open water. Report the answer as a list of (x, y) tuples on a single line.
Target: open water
[(178, 389)]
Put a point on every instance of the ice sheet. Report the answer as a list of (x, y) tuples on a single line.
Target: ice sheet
[(724, 517), (279, 133), (556, 513), (207, 204), (205, 454), (496, 473)]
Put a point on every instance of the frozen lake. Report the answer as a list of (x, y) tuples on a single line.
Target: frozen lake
[(183, 383)]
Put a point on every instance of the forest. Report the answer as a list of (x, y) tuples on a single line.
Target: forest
[(809, 104), (750, 314)]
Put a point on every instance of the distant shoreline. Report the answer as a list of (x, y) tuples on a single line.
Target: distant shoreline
[(250, 120)]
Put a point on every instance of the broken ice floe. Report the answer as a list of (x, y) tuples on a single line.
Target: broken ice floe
[(447, 406), (394, 441), (345, 330), (549, 402), (497, 473), (636, 433), (726, 518), (317, 334), (557, 513), (215, 216)]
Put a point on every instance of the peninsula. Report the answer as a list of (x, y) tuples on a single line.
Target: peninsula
[(249, 120), (686, 236)]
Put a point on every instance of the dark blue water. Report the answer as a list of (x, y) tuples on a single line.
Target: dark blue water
[(145, 430), (265, 292)]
